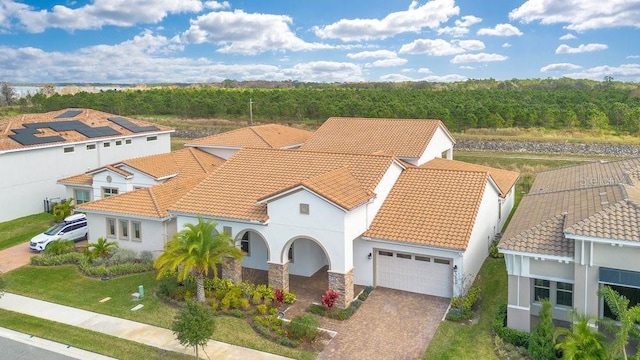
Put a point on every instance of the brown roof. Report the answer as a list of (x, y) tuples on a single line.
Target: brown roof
[(587, 175), (234, 190), (620, 221), (271, 136), (546, 238), (398, 137), (338, 186), (90, 118), (434, 207), (82, 179), (505, 179), (148, 202)]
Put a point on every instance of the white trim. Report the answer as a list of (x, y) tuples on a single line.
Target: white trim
[(539, 256), (618, 242), (122, 215), (528, 308), (402, 243), (301, 188), (213, 217), (214, 146)]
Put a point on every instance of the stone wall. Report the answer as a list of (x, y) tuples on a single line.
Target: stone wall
[(343, 284), (546, 147)]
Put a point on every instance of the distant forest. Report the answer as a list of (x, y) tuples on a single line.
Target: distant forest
[(549, 103)]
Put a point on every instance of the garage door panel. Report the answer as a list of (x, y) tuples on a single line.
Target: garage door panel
[(404, 271)]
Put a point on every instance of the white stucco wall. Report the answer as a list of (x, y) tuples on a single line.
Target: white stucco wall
[(224, 153), (382, 190), (440, 142), (258, 251), (29, 175), (507, 206)]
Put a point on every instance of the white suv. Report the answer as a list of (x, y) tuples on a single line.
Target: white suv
[(73, 227)]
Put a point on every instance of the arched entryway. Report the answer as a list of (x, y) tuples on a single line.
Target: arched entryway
[(254, 262), (309, 264)]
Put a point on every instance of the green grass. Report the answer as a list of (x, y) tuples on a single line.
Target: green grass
[(84, 339), (62, 284), (23, 229), (473, 341)]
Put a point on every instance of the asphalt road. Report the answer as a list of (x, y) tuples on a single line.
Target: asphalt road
[(14, 350)]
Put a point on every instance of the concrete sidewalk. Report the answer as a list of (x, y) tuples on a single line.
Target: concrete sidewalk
[(122, 328)]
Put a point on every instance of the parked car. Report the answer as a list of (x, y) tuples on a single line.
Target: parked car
[(73, 227)]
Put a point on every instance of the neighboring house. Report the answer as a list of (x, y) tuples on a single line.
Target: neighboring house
[(131, 174), (38, 149), (577, 230), (269, 136), (414, 141), (364, 218)]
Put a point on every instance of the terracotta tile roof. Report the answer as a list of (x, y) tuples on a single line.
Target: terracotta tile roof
[(251, 174), (338, 186), (398, 137), (620, 221), (188, 160), (505, 179), (272, 136), (88, 117), (147, 202), (546, 238), (82, 179), (434, 207), (584, 176), (114, 169)]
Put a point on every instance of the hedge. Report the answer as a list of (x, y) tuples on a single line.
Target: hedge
[(512, 336)]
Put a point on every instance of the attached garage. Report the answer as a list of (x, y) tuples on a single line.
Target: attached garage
[(414, 273)]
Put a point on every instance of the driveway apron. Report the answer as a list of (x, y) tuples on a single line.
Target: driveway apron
[(390, 324), (15, 257)]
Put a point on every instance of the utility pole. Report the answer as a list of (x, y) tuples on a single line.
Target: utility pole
[(250, 112)]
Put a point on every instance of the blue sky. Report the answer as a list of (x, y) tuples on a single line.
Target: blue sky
[(153, 41)]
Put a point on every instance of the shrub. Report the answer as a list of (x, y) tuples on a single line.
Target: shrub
[(214, 305), (514, 337), (273, 311), (493, 250), (461, 305), (54, 260), (365, 293), (256, 298), (289, 298), (115, 270), (122, 256), (541, 342), (329, 299), (304, 327), (278, 296), (59, 247), (244, 304), (167, 286), (146, 256), (225, 303), (289, 343), (262, 309)]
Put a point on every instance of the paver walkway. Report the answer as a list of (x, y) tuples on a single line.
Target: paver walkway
[(122, 328), (390, 324), (15, 256)]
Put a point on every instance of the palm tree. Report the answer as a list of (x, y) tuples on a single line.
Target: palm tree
[(580, 342), (628, 317), (101, 248), (196, 249)]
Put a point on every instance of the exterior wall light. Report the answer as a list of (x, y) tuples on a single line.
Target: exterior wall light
[(369, 256)]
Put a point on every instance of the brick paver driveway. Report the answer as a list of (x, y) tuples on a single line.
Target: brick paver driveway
[(14, 257), (391, 324)]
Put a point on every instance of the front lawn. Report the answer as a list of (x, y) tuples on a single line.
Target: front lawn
[(473, 341), (66, 285), (23, 229)]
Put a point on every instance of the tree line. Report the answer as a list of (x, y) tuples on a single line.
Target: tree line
[(555, 104)]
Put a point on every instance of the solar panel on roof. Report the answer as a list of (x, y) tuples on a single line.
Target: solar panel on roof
[(27, 136), (69, 114), (131, 126)]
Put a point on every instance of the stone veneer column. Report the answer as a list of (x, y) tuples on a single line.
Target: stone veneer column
[(343, 284), (233, 271), (279, 275)]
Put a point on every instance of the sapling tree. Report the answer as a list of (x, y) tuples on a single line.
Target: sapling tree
[(329, 299), (194, 325)]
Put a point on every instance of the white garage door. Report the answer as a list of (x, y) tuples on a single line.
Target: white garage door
[(415, 273)]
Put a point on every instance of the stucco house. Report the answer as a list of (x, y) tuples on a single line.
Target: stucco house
[(39, 149), (361, 218), (577, 230)]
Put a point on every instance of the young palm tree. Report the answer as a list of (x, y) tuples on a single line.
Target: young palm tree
[(627, 317), (195, 250), (101, 248), (580, 342)]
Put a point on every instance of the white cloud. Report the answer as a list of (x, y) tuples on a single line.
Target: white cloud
[(501, 30), (560, 67), (567, 37), (216, 5), (382, 54), (245, 33), (424, 71), (582, 48), (387, 62), (430, 15), (467, 67), (625, 72), (440, 47), (430, 78), (479, 57), (633, 57), (580, 15), (395, 78), (461, 27), (325, 71), (506, 45), (99, 13)]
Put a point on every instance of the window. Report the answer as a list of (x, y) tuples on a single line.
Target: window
[(244, 243), (111, 227), (81, 196), (118, 142), (564, 294), (152, 138), (227, 230), (304, 209), (541, 289), (91, 146), (423, 258), (127, 141), (385, 253), (106, 144), (403, 256), (290, 254), (136, 233), (106, 192), (69, 149), (442, 261), (124, 229), (499, 209)]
